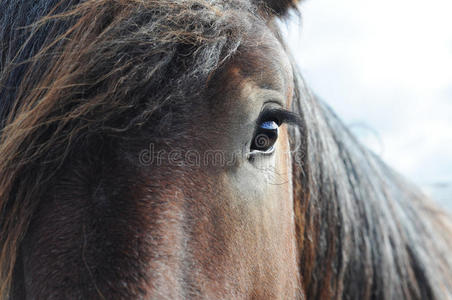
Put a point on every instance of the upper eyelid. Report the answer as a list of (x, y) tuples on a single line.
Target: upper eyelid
[(273, 101), (280, 114)]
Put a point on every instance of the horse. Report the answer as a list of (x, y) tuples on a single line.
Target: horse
[(170, 149)]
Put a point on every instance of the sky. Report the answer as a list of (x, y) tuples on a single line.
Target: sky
[(386, 69)]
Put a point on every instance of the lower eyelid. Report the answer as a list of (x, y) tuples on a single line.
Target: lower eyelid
[(267, 152)]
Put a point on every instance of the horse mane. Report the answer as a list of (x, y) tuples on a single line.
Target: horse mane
[(362, 230)]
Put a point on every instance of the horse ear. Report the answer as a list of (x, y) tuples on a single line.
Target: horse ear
[(277, 8)]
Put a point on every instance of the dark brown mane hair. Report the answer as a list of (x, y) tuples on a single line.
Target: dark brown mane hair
[(364, 232), (75, 76)]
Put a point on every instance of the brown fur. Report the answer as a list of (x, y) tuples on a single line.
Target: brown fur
[(85, 87)]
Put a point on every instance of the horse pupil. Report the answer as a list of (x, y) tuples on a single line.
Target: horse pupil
[(265, 137)]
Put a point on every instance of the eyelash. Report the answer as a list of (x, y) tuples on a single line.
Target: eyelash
[(278, 115)]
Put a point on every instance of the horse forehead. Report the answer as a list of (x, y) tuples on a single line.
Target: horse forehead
[(264, 67)]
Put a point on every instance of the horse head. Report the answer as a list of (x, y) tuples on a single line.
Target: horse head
[(170, 150)]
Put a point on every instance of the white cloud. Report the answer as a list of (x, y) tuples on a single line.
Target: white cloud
[(388, 65)]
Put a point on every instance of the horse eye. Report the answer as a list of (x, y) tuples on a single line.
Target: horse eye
[(265, 138)]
